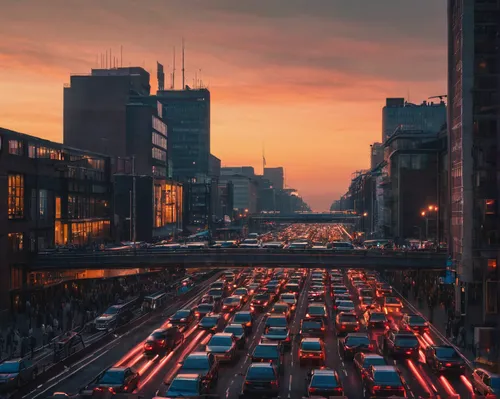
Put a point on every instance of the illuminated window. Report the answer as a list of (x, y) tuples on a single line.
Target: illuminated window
[(58, 207), (492, 263), (16, 196), (15, 242), (490, 207), (15, 147), (32, 151)]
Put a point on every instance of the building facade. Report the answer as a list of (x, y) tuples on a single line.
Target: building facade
[(52, 195), (276, 176)]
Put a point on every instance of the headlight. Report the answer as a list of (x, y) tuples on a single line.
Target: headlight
[(183, 319)]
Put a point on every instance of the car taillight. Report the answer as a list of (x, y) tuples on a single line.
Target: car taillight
[(343, 327), (322, 328), (148, 346), (376, 387), (247, 382), (312, 390), (249, 324), (308, 315), (197, 314), (274, 383), (338, 389), (448, 364)]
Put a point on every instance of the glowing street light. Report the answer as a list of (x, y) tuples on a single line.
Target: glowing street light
[(423, 213), (365, 214)]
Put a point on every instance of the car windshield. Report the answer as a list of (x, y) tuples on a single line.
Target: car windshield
[(311, 346), (218, 340), (183, 385), (158, 335), (391, 301), (447, 353), (324, 381), (346, 304), (260, 373), (240, 291), (348, 318), (406, 341), (112, 377), (181, 313), (231, 301), (356, 341), (387, 377), (374, 361), (312, 324), (215, 292), (276, 321), (266, 351), (205, 308), (417, 320), (378, 317), (316, 310), (242, 318), (209, 320), (195, 363), (277, 331), (236, 330), (9, 367), (262, 297), (112, 310)]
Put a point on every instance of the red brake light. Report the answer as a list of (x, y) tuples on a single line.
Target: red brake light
[(370, 347), (274, 383), (311, 390), (448, 364), (376, 387)]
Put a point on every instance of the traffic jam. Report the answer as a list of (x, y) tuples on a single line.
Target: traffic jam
[(289, 333)]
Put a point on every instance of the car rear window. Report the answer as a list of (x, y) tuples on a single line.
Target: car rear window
[(387, 377), (346, 304), (316, 310), (311, 346), (276, 321), (312, 324), (260, 373), (242, 318), (112, 377), (448, 353), (262, 297), (406, 341), (348, 318), (354, 340), (206, 308), (374, 361), (378, 317), (417, 320), (391, 300), (266, 351), (220, 341), (324, 381)]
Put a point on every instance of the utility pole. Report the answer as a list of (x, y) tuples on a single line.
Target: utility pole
[(134, 235)]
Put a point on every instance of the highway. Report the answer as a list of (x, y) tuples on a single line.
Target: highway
[(418, 379)]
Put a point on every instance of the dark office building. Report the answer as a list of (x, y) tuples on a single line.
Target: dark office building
[(95, 108), (276, 176), (187, 114), (199, 204), (51, 195), (474, 137)]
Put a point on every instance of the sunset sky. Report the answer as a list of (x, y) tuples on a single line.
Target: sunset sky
[(308, 78)]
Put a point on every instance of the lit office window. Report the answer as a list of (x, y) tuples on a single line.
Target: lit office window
[(58, 207), (16, 196), (15, 242), (15, 147), (32, 151)]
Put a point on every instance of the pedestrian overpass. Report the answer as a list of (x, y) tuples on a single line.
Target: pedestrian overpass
[(238, 257)]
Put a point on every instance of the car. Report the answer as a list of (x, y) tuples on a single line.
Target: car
[(375, 320), (231, 304), (414, 322), (275, 321), (292, 287), (242, 292), (269, 352), (244, 318), (281, 308), (312, 328), (186, 385), (239, 333), (343, 305), (316, 311), (15, 373), (400, 343), (204, 364), (163, 340), (210, 322), (278, 334), (383, 381), (207, 299), (115, 379), (354, 343), (485, 382), (261, 379), (182, 317), (316, 294), (367, 302), (323, 383), (290, 299), (204, 309), (391, 304), (260, 302), (444, 359), (363, 361), (223, 346), (346, 322), (383, 289), (216, 293), (311, 349)]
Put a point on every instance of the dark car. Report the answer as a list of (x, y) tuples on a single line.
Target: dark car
[(115, 379), (414, 322), (242, 292), (204, 364), (216, 293), (375, 320), (343, 305), (485, 382), (186, 385), (281, 308), (323, 383), (15, 373), (239, 334), (163, 340), (403, 343), (312, 328), (269, 352), (182, 317), (316, 311), (204, 309), (346, 323), (231, 304), (261, 379), (363, 361), (210, 322), (276, 321), (316, 294), (245, 319), (313, 350), (444, 359), (383, 381), (260, 302), (354, 343), (278, 334), (223, 346)]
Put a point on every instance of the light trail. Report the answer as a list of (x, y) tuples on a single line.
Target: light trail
[(155, 370), (428, 338), (147, 365), (136, 360), (129, 355), (447, 386), (419, 377), (467, 383), (421, 357)]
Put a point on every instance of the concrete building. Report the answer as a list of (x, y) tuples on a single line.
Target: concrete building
[(245, 187), (397, 113), (53, 195), (187, 114), (376, 154), (276, 176), (474, 134)]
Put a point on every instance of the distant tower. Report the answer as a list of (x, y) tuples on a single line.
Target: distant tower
[(160, 74), (183, 76)]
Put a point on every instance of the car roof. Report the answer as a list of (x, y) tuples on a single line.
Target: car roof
[(117, 369), (311, 340), (223, 335), (243, 312), (328, 372), (407, 333), (260, 365), (372, 356), (364, 335), (273, 344), (199, 354), (187, 376), (233, 325), (442, 346), (276, 316), (385, 368)]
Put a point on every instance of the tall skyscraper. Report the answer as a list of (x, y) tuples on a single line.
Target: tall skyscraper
[(276, 176), (428, 117), (473, 134), (187, 113)]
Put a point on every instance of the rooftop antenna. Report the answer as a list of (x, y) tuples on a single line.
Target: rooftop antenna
[(110, 62), (408, 94), (263, 159), (121, 56), (106, 65), (173, 74), (440, 98), (183, 76)]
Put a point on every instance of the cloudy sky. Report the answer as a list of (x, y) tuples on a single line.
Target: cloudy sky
[(306, 78)]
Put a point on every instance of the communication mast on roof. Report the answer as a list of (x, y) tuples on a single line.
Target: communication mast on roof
[(183, 76), (440, 98)]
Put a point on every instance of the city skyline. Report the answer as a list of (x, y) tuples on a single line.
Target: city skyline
[(310, 81)]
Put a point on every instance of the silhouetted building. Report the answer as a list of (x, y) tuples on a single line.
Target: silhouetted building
[(53, 195), (245, 187), (376, 154), (427, 117), (276, 176)]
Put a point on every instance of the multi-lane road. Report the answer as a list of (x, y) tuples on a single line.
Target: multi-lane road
[(128, 351)]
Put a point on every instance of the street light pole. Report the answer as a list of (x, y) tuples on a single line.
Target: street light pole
[(134, 236)]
